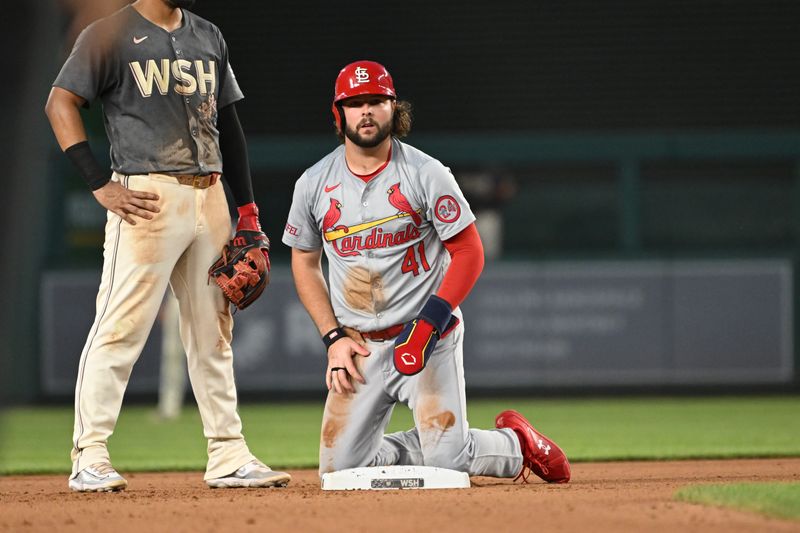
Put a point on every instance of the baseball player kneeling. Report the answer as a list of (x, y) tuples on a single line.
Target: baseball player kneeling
[(403, 253)]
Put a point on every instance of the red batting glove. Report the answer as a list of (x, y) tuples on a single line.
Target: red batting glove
[(248, 217), (248, 220)]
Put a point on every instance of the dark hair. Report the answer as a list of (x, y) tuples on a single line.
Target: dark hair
[(401, 121)]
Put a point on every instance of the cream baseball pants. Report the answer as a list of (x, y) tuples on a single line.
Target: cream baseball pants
[(175, 248)]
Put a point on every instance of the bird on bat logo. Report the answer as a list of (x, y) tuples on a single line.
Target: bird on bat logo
[(400, 202)]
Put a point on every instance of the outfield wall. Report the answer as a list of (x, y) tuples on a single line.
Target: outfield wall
[(528, 324)]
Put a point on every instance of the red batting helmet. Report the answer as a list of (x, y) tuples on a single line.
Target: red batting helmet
[(361, 77)]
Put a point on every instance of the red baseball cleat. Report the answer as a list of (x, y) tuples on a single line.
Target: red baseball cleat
[(540, 455)]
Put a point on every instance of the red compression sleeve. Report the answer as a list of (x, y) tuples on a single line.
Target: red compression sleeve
[(466, 251)]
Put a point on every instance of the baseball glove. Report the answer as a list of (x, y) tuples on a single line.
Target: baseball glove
[(242, 272)]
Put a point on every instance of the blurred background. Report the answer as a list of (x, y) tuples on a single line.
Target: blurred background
[(634, 166)]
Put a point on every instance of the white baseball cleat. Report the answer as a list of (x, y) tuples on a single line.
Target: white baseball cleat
[(99, 477), (253, 474)]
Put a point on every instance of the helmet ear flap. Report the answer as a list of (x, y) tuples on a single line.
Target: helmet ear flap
[(338, 116)]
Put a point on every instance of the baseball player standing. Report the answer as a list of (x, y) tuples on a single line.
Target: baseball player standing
[(168, 92), (403, 253)]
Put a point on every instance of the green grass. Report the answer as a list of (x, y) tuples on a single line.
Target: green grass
[(37, 440), (779, 500)]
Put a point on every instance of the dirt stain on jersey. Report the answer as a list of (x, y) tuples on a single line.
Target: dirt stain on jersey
[(363, 290), (174, 154)]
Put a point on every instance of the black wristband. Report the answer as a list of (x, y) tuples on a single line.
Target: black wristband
[(90, 170), (332, 336)]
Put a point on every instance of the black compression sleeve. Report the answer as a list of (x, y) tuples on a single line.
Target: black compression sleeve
[(235, 165), (90, 170)]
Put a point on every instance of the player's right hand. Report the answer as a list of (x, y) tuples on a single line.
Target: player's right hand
[(340, 356), (126, 202)]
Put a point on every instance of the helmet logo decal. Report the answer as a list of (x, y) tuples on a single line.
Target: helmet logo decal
[(362, 75)]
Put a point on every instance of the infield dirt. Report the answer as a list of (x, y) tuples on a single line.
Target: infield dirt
[(619, 497)]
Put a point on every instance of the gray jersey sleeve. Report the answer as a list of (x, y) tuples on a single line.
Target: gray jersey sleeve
[(446, 206), (302, 230), (229, 91), (86, 72)]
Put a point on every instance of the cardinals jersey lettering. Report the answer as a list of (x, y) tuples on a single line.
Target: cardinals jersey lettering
[(382, 239)]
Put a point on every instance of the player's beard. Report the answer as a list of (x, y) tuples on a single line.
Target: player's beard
[(185, 4), (364, 142)]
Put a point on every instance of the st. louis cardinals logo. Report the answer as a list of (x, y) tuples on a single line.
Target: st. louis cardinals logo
[(332, 216), (362, 75), (398, 200), (349, 240)]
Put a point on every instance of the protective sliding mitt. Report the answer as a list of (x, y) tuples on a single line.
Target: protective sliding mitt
[(242, 271), (416, 343)]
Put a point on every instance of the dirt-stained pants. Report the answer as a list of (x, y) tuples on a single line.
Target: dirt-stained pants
[(176, 247), (353, 424)]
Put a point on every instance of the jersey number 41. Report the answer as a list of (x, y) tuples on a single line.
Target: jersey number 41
[(410, 263)]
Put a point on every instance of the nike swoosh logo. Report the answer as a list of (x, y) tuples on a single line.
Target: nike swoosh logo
[(329, 189), (137, 40)]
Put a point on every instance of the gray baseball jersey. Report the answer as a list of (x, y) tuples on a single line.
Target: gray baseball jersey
[(160, 90), (383, 238)]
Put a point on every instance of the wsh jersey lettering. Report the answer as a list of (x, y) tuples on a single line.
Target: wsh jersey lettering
[(190, 76)]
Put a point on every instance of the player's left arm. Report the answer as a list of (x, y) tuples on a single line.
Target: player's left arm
[(233, 145), (436, 320), (236, 163), (466, 252), (236, 170), (454, 223)]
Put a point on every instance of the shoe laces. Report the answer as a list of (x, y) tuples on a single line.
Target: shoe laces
[(104, 468), (527, 468), (529, 460)]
